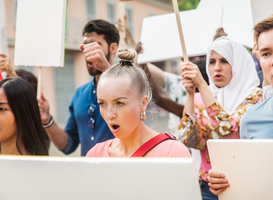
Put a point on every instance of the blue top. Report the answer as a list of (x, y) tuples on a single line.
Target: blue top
[(257, 122), (77, 125)]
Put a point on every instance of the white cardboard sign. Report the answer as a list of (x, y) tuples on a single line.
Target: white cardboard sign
[(3, 27), (237, 18), (161, 40), (46, 178), (40, 33), (247, 165), (261, 9)]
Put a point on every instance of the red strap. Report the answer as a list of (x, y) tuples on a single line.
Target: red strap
[(146, 147), (1, 77)]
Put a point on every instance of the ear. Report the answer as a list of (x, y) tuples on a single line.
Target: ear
[(144, 103), (113, 48)]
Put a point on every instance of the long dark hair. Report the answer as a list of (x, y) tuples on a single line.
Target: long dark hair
[(24, 106)]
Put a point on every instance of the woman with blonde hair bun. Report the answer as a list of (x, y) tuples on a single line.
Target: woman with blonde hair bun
[(123, 95)]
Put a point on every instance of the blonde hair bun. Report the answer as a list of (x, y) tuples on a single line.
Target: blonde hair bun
[(127, 54)]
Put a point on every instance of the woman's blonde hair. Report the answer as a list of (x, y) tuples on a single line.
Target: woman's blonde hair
[(139, 80)]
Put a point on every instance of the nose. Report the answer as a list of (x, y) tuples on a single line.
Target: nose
[(217, 67), (111, 113)]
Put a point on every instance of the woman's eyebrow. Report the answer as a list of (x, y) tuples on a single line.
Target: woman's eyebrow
[(3, 103)]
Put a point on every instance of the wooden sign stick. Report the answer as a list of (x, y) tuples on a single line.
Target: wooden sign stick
[(39, 85), (175, 7)]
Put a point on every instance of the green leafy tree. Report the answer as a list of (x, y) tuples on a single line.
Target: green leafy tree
[(187, 4)]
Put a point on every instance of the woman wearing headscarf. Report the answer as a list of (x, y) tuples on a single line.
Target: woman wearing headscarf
[(215, 112)]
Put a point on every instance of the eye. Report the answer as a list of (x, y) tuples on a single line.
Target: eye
[(211, 61), (3, 109), (265, 54), (120, 103), (224, 61), (101, 104)]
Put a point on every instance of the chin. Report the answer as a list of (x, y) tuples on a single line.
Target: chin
[(94, 72)]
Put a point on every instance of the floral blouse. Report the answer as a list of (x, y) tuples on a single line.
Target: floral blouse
[(213, 123)]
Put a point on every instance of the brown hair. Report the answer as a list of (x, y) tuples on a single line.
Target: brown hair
[(138, 77), (265, 25)]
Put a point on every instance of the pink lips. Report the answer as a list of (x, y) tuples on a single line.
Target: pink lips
[(218, 76)]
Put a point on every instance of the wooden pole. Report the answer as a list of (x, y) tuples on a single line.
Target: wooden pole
[(175, 7), (39, 86), (121, 13)]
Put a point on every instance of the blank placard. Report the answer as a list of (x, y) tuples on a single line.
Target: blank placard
[(261, 9), (45, 178), (237, 18), (3, 27), (247, 165), (40, 33), (161, 40)]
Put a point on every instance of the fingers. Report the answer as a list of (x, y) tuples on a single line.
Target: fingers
[(188, 66), (93, 53), (42, 96), (3, 55), (217, 182), (91, 47), (217, 192), (215, 174), (82, 46)]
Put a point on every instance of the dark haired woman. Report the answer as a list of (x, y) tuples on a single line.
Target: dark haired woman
[(21, 131)]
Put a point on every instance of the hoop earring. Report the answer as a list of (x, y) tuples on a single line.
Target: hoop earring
[(143, 116)]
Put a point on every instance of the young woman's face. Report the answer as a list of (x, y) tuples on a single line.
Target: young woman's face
[(120, 105), (220, 70), (7, 122)]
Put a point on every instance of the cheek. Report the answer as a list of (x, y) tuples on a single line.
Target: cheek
[(211, 71)]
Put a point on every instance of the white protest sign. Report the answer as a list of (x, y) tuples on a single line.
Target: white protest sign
[(3, 28), (45, 178), (40, 33), (261, 9), (161, 40), (247, 165), (237, 18)]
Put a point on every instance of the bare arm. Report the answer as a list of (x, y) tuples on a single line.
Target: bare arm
[(162, 100), (57, 135)]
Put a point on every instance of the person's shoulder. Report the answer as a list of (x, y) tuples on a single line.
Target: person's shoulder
[(84, 88), (99, 149), (255, 95), (172, 148)]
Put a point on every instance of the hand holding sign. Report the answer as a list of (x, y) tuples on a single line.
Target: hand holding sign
[(5, 66)]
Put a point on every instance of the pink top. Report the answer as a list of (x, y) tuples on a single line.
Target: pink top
[(168, 148)]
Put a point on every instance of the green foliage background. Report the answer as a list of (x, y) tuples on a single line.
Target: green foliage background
[(187, 4)]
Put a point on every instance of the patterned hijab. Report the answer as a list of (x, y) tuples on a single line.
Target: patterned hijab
[(244, 76)]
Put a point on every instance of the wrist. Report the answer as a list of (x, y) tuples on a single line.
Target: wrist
[(202, 86), (47, 120), (50, 122)]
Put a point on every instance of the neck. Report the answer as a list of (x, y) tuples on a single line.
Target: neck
[(97, 78), (127, 146), (9, 147)]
